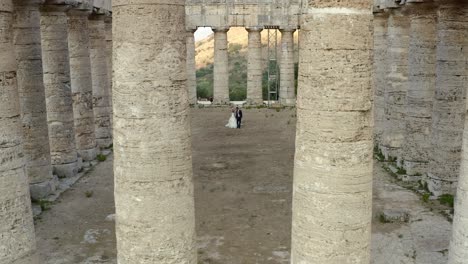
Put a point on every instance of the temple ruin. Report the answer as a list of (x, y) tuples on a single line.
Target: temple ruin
[(385, 78)]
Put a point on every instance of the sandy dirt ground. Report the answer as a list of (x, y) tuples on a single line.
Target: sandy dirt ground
[(243, 183)]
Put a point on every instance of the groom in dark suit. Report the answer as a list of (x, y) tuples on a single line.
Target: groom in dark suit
[(238, 117)]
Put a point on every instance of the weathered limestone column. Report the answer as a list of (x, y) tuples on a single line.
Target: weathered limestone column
[(108, 26), (101, 105), (27, 39), (457, 11), (191, 68), (254, 67), (421, 86), (287, 83), (221, 67), (396, 84), (17, 241), (81, 81), (332, 190), (153, 163), (449, 104), (380, 73), (56, 66), (458, 252)]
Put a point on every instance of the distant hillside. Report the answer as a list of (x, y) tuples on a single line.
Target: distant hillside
[(238, 47)]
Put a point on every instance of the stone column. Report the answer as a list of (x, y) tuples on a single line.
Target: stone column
[(449, 104), (191, 68), (396, 84), (380, 72), (27, 38), (81, 81), (101, 105), (254, 67), (56, 66), (456, 12), (221, 67), (153, 164), (421, 87), (108, 26), (17, 241), (332, 190), (287, 82)]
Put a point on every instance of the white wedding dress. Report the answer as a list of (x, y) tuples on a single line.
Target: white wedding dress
[(232, 122)]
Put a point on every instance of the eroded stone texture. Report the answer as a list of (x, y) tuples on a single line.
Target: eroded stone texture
[(221, 67), (458, 253), (449, 104), (17, 240), (254, 67), (59, 103), (421, 87), (287, 79), (153, 165), (191, 68), (380, 72), (332, 191), (101, 99), (81, 83), (27, 40), (108, 22), (396, 84)]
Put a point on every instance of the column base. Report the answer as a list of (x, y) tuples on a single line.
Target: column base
[(254, 102), (41, 190), (104, 143), (288, 102), (88, 154), (221, 102), (66, 170)]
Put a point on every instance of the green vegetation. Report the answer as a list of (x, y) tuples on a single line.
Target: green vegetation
[(44, 204), (425, 197), (88, 194), (401, 171), (447, 199), (101, 157)]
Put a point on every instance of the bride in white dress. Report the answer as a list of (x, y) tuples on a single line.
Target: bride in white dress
[(232, 121)]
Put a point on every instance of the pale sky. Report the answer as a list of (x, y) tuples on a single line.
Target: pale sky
[(202, 32)]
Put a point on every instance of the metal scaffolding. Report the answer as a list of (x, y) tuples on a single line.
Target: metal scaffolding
[(273, 69)]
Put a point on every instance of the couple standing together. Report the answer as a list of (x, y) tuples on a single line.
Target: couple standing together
[(235, 120)]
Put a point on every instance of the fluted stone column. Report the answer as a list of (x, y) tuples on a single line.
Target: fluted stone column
[(421, 87), (17, 241), (287, 82), (56, 66), (221, 67), (380, 73), (81, 81), (191, 68), (254, 67), (153, 164), (101, 88), (108, 26), (449, 104), (27, 39), (332, 190), (396, 84), (457, 12)]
